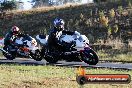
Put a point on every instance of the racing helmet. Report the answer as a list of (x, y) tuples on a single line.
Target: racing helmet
[(59, 24), (15, 30)]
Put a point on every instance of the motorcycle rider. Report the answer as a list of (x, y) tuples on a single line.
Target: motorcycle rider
[(11, 36), (56, 32)]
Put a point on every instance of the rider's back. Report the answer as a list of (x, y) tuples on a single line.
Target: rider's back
[(7, 38)]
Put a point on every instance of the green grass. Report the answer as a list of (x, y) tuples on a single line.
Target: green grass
[(115, 55), (20, 76)]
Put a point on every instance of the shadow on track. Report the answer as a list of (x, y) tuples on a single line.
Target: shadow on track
[(21, 62), (28, 62), (31, 62)]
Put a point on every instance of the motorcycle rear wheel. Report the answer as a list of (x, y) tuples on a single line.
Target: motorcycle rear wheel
[(51, 60), (9, 56)]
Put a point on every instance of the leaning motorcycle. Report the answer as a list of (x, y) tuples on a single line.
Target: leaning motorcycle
[(24, 46), (74, 48)]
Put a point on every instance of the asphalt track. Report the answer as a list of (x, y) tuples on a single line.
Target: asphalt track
[(111, 65)]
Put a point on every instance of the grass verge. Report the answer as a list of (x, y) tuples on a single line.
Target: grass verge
[(20, 76), (115, 55)]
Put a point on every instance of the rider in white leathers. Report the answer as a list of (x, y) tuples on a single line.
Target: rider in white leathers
[(56, 32)]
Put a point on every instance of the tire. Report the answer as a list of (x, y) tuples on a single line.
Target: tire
[(37, 55), (90, 57), (51, 60), (43, 50), (9, 56), (51, 57)]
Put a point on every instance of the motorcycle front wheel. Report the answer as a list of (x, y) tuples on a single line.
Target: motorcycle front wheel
[(89, 57), (37, 55)]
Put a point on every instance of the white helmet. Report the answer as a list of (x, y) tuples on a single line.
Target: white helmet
[(15, 30), (59, 23)]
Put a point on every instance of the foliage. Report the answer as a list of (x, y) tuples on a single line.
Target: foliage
[(76, 17), (120, 9), (40, 3), (104, 21), (91, 12), (112, 13), (130, 4), (112, 30), (109, 30), (81, 16), (115, 28), (8, 5), (101, 13), (98, 1)]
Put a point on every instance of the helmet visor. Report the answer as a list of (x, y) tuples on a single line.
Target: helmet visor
[(15, 32)]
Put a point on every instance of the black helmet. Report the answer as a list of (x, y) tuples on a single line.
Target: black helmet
[(59, 24)]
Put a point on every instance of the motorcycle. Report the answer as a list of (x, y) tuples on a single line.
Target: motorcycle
[(74, 48), (23, 46)]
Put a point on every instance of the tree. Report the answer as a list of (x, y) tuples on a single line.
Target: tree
[(20, 4), (8, 5), (98, 1), (39, 3)]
